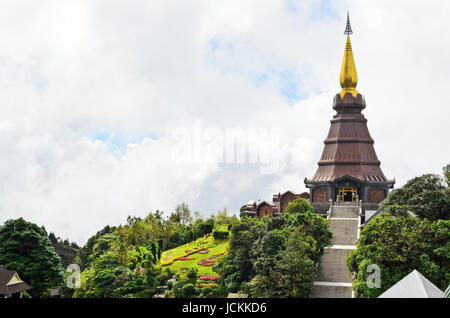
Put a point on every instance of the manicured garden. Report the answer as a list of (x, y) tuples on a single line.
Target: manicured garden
[(201, 254)]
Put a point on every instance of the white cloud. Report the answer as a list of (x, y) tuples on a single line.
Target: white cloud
[(71, 71)]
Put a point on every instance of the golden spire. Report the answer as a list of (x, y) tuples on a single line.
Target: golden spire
[(349, 77)]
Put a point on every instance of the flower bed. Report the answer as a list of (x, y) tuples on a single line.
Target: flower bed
[(187, 252), (185, 259), (203, 252), (210, 278), (210, 261), (221, 253)]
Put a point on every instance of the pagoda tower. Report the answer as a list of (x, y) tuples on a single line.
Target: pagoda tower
[(349, 169)]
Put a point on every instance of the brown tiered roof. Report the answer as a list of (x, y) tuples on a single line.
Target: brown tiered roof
[(349, 147)]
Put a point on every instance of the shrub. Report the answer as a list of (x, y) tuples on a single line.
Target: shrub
[(189, 290), (221, 235)]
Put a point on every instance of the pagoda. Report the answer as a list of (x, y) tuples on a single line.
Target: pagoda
[(349, 169)]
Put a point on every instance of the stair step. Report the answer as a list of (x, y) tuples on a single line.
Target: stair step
[(332, 266), (344, 212), (321, 291), (345, 231)]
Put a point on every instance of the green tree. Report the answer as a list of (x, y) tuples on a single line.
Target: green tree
[(223, 216), (399, 245), (297, 267), (52, 238), (425, 196), (243, 211), (25, 247), (446, 170), (299, 213), (275, 257), (182, 214), (236, 267), (84, 257)]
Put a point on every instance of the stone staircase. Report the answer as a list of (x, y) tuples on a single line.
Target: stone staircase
[(332, 280)]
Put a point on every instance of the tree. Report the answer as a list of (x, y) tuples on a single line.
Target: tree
[(236, 268), (52, 238), (297, 266), (413, 189), (83, 254), (185, 285), (399, 245), (182, 214), (275, 257), (446, 170), (425, 196), (25, 247), (74, 245), (243, 211), (300, 213), (223, 216)]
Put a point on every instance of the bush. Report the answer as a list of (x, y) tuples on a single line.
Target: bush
[(220, 235), (189, 291), (398, 245)]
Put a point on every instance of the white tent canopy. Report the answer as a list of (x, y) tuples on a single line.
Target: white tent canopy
[(413, 285)]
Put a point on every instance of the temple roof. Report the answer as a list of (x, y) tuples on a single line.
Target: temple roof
[(413, 285), (349, 147)]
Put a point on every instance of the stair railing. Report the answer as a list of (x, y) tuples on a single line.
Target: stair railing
[(329, 208)]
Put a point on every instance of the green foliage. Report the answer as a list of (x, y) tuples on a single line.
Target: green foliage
[(399, 245), (292, 271), (446, 171), (84, 256), (182, 214), (220, 235), (275, 257), (243, 211), (299, 213), (426, 196), (25, 247), (298, 206), (121, 261), (396, 210), (106, 277), (185, 285), (236, 268), (203, 227)]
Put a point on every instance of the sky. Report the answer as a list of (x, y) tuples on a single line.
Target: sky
[(116, 108)]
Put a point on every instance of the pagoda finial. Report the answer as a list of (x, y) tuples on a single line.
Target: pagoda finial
[(348, 27), (349, 77)]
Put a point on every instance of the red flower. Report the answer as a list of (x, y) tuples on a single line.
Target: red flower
[(207, 277)]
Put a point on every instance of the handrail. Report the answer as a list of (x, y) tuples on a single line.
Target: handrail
[(329, 209)]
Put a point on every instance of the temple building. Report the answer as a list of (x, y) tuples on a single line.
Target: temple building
[(349, 169), (276, 206)]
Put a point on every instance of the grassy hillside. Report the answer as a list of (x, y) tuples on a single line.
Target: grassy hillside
[(212, 245)]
